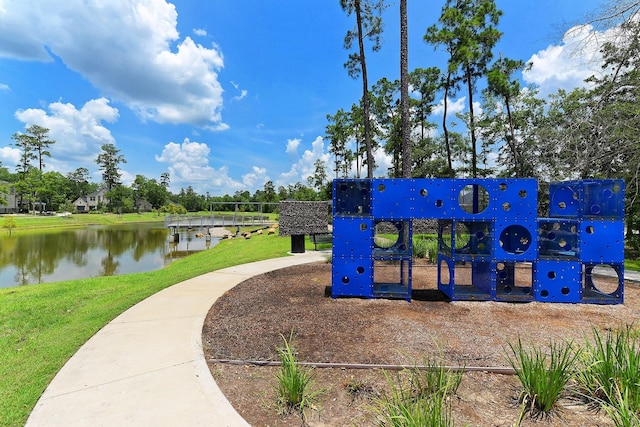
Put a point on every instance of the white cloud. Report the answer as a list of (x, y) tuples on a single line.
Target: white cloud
[(189, 165), (9, 156), (255, 179), (453, 106), (200, 32), (567, 65), (129, 50), (4, 86), (305, 165), (79, 133), (292, 146)]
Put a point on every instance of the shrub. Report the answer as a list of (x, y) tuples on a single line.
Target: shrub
[(418, 397), (295, 384), (609, 371), (543, 378)]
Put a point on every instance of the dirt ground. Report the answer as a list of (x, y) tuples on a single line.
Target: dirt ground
[(248, 321)]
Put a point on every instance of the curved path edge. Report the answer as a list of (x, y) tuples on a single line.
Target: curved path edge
[(147, 367)]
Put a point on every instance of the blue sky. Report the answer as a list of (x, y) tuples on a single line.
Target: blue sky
[(225, 95)]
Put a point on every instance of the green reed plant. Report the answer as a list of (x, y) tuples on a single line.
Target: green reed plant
[(433, 378), (402, 407), (295, 386), (419, 396), (609, 368), (543, 376), (620, 408), (425, 248)]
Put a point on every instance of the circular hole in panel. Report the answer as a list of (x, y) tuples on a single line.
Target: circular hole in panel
[(616, 188), (503, 274), (573, 229), (590, 229), (389, 235), (360, 269), (363, 226), (480, 235), (551, 235), (526, 290), (544, 293), (595, 209), (522, 193), (564, 290), (364, 191), (445, 277), (607, 193), (424, 192), (345, 279), (381, 187), (473, 199), (439, 203), (502, 186), (515, 239), (562, 205), (500, 266), (481, 246), (562, 243), (507, 289), (551, 275), (343, 187), (506, 206), (604, 278), (556, 226)]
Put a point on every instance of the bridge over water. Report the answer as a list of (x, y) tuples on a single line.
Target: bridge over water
[(176, 222)]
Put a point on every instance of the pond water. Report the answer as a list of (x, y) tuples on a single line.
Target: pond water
[(92, 251)]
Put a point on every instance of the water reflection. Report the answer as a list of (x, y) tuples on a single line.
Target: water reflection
[(92, 251)]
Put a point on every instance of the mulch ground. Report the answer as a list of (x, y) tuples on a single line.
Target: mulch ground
[(249, 322)]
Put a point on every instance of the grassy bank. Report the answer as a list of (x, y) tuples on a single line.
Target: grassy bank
[(43, 325), (31, 223)]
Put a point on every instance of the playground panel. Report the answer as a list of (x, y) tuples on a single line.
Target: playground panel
[(491, 244)]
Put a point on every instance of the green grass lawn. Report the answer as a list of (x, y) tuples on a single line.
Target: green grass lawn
[(44, 325)]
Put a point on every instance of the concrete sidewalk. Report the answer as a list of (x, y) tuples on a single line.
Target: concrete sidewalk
[(147, 367)]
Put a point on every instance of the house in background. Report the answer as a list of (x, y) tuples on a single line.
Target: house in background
[(92, 201), (9, 195)]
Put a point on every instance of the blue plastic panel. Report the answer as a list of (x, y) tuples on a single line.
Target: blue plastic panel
[(558, 238), (516, 199), (514, 282), (351, 197), (473, 240), (565, 199), (604, 198), (392, 279), (602, 241), (392, 198), (557, 281), (391, 249), (468, 281), (352, 278), (433, 198), (515, 241), (474, 199), (353, 237), (603, 283)]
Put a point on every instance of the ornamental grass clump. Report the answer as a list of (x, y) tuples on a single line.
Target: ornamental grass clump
[(609, 373), (418, 397), (543, 376), (296, 388)]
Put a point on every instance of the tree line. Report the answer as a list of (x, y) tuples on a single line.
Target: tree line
[(52, 191)]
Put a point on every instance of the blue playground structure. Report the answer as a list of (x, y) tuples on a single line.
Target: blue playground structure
[(491, 243)]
